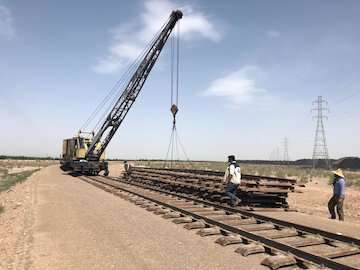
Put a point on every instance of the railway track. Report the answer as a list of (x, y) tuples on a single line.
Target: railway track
[(287, 244)]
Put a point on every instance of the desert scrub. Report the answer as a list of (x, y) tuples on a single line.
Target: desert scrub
[(281, 173), (3, 171), (11, 163), (352, 179), (10, 180)]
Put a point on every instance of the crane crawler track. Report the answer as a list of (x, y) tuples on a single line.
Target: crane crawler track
[(286, 243)]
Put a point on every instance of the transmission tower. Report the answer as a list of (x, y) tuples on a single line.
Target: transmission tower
[(277, 153), (286, 150), (320, 151)]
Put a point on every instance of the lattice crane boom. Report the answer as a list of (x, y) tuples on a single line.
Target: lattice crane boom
[(131, 91)]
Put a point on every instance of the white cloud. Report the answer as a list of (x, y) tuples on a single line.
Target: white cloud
[(238, 87), (127, 43), (107, 65), (195, 24), (6, 23), (125, 50), (273, 33)]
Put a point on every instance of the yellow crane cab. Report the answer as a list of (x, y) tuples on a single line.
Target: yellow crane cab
[(74, 155)]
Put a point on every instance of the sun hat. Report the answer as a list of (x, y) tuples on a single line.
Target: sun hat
[(338, 172)]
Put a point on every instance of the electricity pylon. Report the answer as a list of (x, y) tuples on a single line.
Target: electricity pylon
[(320, 151)]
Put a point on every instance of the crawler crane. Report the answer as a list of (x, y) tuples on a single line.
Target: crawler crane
[(85, 152)]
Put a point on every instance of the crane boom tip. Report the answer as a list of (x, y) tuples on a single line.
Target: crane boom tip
[(177, 13)]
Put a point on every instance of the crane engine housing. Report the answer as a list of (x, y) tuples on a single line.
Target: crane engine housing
[(74, 156)]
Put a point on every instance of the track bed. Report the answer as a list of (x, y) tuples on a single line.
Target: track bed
[(287, 244)]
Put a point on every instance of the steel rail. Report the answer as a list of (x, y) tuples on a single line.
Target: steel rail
[(281, 223), (298, 253), (216, 173)]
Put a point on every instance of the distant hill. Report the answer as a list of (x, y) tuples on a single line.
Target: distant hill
[(352, 163)]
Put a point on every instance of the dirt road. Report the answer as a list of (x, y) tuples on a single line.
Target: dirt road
[(55, 221)]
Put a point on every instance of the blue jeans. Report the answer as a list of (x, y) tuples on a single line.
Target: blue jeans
[(231, 190)]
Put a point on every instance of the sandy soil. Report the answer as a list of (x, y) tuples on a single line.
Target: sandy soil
[(345, 228), (116, 168), (314, 197), (55, 221), (16, 224)]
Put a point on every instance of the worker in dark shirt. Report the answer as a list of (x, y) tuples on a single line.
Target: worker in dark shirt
[(337, 200)]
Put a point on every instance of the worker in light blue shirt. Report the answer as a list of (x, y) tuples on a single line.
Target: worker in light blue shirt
[(337, 200)]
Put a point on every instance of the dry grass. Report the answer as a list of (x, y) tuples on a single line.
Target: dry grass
[(11, 163), (352, 179), (10, 180), (16, 171)]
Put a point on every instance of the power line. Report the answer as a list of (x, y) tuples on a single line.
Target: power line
[(286, 150), (346, 98), (320, 150)]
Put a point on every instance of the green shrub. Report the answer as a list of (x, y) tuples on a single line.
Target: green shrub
[(11, 179)]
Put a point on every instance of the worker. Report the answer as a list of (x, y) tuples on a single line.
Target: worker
[(337, 200), (232, 178), (126, 168)]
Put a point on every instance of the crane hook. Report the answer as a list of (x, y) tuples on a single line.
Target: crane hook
[(174, 109)]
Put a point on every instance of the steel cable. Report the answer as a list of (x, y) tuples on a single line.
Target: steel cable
[(121, 83), (172, 71), (177, 62), (175, 143), (113, 93)]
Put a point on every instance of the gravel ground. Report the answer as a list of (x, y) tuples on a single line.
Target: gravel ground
[(55, 221), (16, 224), (311, 205), (314, 197), (323, 223), (65, 223)]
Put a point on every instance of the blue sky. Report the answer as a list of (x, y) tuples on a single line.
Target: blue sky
[(249, 72)]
